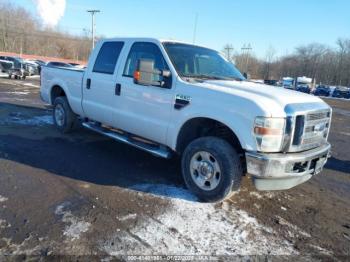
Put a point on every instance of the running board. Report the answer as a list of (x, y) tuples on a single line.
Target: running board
[(154, 149)]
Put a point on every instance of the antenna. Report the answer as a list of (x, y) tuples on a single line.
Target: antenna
[(195, 28)]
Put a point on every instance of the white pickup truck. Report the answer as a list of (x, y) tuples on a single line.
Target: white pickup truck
[(168, 97)]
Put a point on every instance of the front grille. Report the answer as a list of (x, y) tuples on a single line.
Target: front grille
[(318, 115), (311, 130)]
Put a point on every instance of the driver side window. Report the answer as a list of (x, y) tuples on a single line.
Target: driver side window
[(146, 51)]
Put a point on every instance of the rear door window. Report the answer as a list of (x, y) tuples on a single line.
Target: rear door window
[(107, 57)]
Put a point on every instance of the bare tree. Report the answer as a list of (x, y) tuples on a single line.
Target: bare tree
[(20, 32), (269, 58)]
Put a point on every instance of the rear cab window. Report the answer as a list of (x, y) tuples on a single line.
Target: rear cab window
[(107, 57)]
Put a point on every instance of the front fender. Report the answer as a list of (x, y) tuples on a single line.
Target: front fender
[(240, 126)]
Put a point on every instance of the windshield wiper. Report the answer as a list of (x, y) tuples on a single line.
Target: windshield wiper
[(201, 76), (210, 77)]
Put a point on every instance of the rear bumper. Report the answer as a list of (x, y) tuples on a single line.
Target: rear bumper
[(284, 171)]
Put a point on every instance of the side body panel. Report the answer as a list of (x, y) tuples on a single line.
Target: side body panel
[(235, 112), (69, 80), (99, 97), (143, 110)]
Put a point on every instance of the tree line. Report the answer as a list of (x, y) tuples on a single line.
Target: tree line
[(22, 33), (324, 64)]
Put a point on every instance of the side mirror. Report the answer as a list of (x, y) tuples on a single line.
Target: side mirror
[(145, 72)]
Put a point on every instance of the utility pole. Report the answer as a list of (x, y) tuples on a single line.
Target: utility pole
[(93, 12), (245, 50), (195, 28), (228, 48)]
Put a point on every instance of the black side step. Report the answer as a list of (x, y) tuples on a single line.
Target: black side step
[(154, 149)]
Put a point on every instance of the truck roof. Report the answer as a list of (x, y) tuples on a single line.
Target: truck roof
[(149, 39)]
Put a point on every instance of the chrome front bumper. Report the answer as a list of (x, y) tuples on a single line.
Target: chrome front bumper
[(284, 171)]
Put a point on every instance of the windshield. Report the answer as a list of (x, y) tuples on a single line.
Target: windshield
[(202, 63)]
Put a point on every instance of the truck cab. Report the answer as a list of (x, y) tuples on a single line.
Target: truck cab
[(172, 98)]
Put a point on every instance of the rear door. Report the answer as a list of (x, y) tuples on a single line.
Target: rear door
[(99, 83)]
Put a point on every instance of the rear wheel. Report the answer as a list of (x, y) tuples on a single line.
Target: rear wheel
[(63, 116), (211, 168)]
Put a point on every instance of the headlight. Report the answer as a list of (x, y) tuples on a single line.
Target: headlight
[(269, 133)]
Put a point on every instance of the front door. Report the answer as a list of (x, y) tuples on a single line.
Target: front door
[(144, 110)]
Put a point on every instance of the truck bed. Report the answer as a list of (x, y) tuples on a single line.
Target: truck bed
[(70, 79)]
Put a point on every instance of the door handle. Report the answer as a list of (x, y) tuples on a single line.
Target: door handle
[(118, 88), (88, 83)]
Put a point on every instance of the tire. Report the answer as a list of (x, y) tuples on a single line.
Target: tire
[(221, 157), (63, 117)]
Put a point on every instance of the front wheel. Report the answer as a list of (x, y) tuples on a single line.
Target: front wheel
[(63, 116), (211, 168)]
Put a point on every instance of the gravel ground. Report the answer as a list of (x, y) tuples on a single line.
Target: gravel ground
[(84, 194)]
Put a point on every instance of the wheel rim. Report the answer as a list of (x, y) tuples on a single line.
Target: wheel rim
[(59, 115), (205, 170)]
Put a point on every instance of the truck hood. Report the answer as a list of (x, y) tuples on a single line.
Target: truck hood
[(269, 97)]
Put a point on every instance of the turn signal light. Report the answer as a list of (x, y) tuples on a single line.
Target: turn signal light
[(267, 131), (137, 75)]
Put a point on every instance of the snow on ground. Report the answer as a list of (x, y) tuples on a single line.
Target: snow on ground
[(335, 98), (24, 92), (262, 194), (194, 228), (166, 191), (34, 121), (3, 199), (31, 85), (4, 224), (293, 228), (75, 227), (127, 217)]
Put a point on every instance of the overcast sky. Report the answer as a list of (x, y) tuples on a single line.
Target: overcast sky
[(282, 24)]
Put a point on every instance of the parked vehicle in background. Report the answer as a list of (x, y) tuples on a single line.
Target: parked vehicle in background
[(271, 82), (257, 81), (32, 67), (79, 66), (322, 90), (5, 66), (59, 64), (288, 82), (303, 84), (341, 92), (18, 70), (303, 88), (168, 97), (40, 63)]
